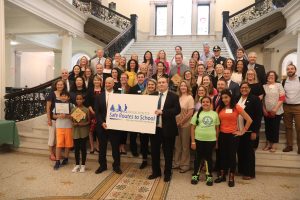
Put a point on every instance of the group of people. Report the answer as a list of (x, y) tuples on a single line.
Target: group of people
[(205, 103)]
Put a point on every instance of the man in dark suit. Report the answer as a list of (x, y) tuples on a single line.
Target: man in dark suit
[(218, 59), (166, 131), (137, 89), (221, 85), (103, 133), (231, 85), (65, 78), (259, 69)]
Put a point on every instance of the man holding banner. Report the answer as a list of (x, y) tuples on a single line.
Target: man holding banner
[(168, 107), (103, 133)]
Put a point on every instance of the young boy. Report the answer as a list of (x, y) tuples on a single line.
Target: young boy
[(64, 137)]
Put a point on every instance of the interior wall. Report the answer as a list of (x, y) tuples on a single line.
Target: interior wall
[(142, 9), (36, 68)]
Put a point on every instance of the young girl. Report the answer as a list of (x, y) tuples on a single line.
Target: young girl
[(204, 133), (80, 133)]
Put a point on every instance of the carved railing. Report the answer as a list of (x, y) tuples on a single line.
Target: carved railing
[(108, 15), (28, 103), (228, 33), (254, 11), (112, 17)]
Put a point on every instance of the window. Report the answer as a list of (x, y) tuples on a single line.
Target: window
[(203, 20), (289, 59), (182, 17), (161, 20)]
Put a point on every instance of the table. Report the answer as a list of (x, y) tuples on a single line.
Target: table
[(9, 133)]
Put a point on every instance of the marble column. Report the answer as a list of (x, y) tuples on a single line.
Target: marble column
[(2, 59), (57, 63), (194, 17), (10, 61), (170, 18), (298, 54), (66, 48), (152, 19)]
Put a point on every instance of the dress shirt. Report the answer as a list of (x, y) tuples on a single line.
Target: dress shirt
[(163, 99)]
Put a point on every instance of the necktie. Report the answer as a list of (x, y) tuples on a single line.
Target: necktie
[(107, 98), (178, 70), (159, 106), (99, 60), (217, 101)]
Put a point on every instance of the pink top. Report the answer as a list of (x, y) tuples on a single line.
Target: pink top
[(167, 64)]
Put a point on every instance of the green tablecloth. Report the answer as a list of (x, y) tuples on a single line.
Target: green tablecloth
[(9, 133)]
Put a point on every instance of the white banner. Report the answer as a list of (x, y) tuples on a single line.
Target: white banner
[(132, 113)]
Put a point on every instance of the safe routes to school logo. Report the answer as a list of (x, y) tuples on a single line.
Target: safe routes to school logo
[(121, 112)]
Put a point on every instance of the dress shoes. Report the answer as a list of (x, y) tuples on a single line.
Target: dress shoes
[(143, 165), (287, 149), (117, 170), (153, 176), (167, 178), (100, 170)]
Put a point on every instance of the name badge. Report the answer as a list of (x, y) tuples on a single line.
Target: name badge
[(120, 89), (228, 111), (139, 91)]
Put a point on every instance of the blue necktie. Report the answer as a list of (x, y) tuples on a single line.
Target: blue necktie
[(159, 107)]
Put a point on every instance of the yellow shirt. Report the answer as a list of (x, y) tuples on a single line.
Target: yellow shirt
[(131, 78)]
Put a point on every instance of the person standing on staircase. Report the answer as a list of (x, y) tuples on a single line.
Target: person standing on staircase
[(291, 106), (218, 59), (177, 71), (206, 54), (99, 59)]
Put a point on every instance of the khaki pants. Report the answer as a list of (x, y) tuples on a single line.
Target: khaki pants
[(182, 148), (291, 112)]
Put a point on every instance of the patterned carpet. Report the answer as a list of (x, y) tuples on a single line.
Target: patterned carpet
[(131, 185)]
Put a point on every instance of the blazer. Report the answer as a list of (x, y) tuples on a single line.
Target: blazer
[(135, 89), (221, 60), (261, 73), (253, 107), (170, 110), (235, 90)]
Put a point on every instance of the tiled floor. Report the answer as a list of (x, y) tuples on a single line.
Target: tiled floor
[(28, 176)]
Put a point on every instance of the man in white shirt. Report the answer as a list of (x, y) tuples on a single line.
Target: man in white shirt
[(65, 78), (291, 107), (98, 60), (206, 53), (166, 131)]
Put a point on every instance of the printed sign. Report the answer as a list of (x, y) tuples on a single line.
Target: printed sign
[(132, 113)]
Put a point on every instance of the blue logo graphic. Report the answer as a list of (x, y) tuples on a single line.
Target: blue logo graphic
[(118, 108)]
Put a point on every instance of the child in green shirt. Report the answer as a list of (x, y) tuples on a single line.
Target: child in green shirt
[(204, 132)]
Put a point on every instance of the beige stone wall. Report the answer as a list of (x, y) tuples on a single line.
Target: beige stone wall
[(142, 9)]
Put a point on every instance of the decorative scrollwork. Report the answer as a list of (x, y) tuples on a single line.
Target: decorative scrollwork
[(107, 15), (26, 106), (254, 11)]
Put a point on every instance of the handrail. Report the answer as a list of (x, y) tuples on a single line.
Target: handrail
[(104, 13), (117, 38), (254, 11), (30, 90)]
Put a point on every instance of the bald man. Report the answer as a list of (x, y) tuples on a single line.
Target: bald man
[(105, 134)]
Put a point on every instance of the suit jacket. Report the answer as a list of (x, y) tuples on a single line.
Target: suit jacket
[(221, 60), (95, 61), (253, 107), (261, 73), (170, 110), (135, 89), (235, 90)]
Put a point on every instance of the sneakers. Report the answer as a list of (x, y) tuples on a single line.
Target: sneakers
[(57, 165), (195, 179), (209, 181), (76, 168), (82, 169)]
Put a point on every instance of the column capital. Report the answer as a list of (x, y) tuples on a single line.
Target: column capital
[(66, 33)]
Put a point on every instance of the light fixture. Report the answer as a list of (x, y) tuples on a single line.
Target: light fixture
[(13, 42)]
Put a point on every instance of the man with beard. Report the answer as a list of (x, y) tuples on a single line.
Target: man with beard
[(291, 106)]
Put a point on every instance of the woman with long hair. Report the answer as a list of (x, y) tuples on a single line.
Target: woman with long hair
[(149, 62), (189, 77), (229, 135), (132, 68), (206, 82), (237, 75), (76, 72), (229, 64), (88, 77), (162, 57), (144, 138), (182, 142), (161, 71), (201, 92), (83, 63), (200, 73)]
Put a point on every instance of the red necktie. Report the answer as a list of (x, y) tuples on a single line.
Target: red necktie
[(178, 70)]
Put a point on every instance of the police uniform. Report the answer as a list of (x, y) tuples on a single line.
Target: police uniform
[(220, 59)]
